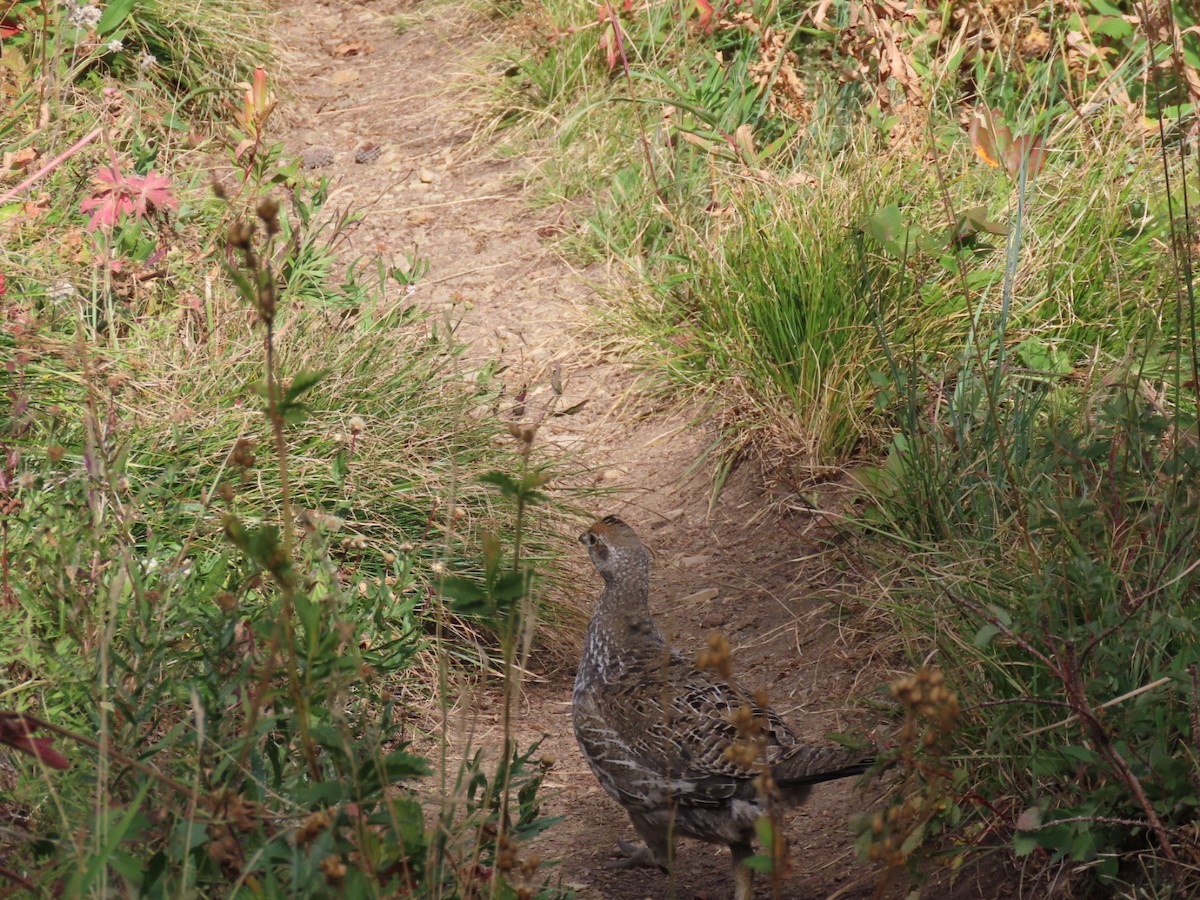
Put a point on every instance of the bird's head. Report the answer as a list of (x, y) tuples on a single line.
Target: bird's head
[(616, 551)]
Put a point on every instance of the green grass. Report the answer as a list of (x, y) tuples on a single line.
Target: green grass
[(747, 245), (257, 521), (1007, 355)]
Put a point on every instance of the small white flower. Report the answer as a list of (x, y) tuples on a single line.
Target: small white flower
[(115, 46), (147, 61), (84, 16), (60, 291)]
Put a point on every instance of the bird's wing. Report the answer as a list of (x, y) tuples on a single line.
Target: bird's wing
[(668, 721)]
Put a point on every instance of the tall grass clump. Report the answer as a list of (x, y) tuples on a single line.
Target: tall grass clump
[(744, 146), (1038, 516), (1042, 551), (942, 238), (261, 536)]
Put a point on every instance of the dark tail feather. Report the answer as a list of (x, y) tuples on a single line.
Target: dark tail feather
[(812, 765)]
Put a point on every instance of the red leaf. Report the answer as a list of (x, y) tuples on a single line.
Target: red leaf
[(17, 732), (706, 14), (991, 139), (1026, 150)]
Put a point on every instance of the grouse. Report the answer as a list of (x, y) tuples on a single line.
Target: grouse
[(660, 733)]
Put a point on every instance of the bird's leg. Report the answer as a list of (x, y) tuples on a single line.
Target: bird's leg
[(743, 877), (636, 856), (655, 853)]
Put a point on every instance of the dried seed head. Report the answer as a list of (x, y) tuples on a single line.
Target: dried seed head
[(530, 866), (743, 753), (240, 235), (265, 299), (268, 212), (522, 432), (333, 868), (312, 827), (243, 453), (506, 855), (717, 657)]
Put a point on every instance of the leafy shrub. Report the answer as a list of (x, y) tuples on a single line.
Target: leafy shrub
[(1047, 557), (226, 535)]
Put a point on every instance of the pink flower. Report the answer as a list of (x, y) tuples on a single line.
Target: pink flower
[(117, 195), (257, 102)]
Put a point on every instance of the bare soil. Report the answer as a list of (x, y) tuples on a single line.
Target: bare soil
[(746, 563)]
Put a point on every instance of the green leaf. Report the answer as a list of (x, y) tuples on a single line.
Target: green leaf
[(400, 765), (309, 614), (765, 831), (455, 587), (1042, 358), (508, 487), (886, 225), (1080, 754), (114, 14), (1024, 844), (97, 861), (1107, 868), (236, 532), (491, 555), (758, 863), (293, 413), (914, 839), (407, 817), (511, 585), (325, 793), (466, 597), (983, 637), (263, 546), (132, 870), (304, 380), (376, 775)]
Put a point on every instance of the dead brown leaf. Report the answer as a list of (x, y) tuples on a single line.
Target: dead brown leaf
[(353, 48)]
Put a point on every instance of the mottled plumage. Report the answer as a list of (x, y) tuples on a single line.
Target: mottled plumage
[(656, 730)]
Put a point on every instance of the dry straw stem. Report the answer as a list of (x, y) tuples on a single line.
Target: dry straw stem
[(1129, 695)]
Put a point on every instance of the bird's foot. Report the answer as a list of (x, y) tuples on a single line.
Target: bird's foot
[(636, 856)]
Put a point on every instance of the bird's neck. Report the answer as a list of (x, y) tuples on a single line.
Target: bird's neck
[(622, 629)]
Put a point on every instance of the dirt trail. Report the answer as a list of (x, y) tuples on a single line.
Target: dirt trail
[(739, 566)]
